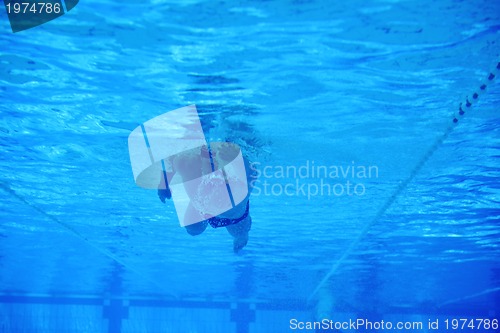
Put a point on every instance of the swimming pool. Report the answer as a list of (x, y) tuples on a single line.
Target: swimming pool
[(337, 104)]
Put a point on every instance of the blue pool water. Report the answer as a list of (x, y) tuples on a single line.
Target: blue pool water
[(303, 86)]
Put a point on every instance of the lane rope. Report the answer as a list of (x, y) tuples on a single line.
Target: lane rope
[(463, 107), (77, 234)]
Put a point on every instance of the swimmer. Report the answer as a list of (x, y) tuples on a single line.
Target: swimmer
[(237, 220)]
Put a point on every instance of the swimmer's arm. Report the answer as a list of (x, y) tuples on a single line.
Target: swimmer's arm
[(163, 188)]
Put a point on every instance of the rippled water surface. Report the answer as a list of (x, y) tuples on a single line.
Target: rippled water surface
[(295, 84)]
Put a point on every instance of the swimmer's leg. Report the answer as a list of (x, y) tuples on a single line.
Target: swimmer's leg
[(239, 231), (192, 214), (197, 228)]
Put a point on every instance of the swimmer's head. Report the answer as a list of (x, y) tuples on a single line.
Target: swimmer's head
[(224, 152)]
